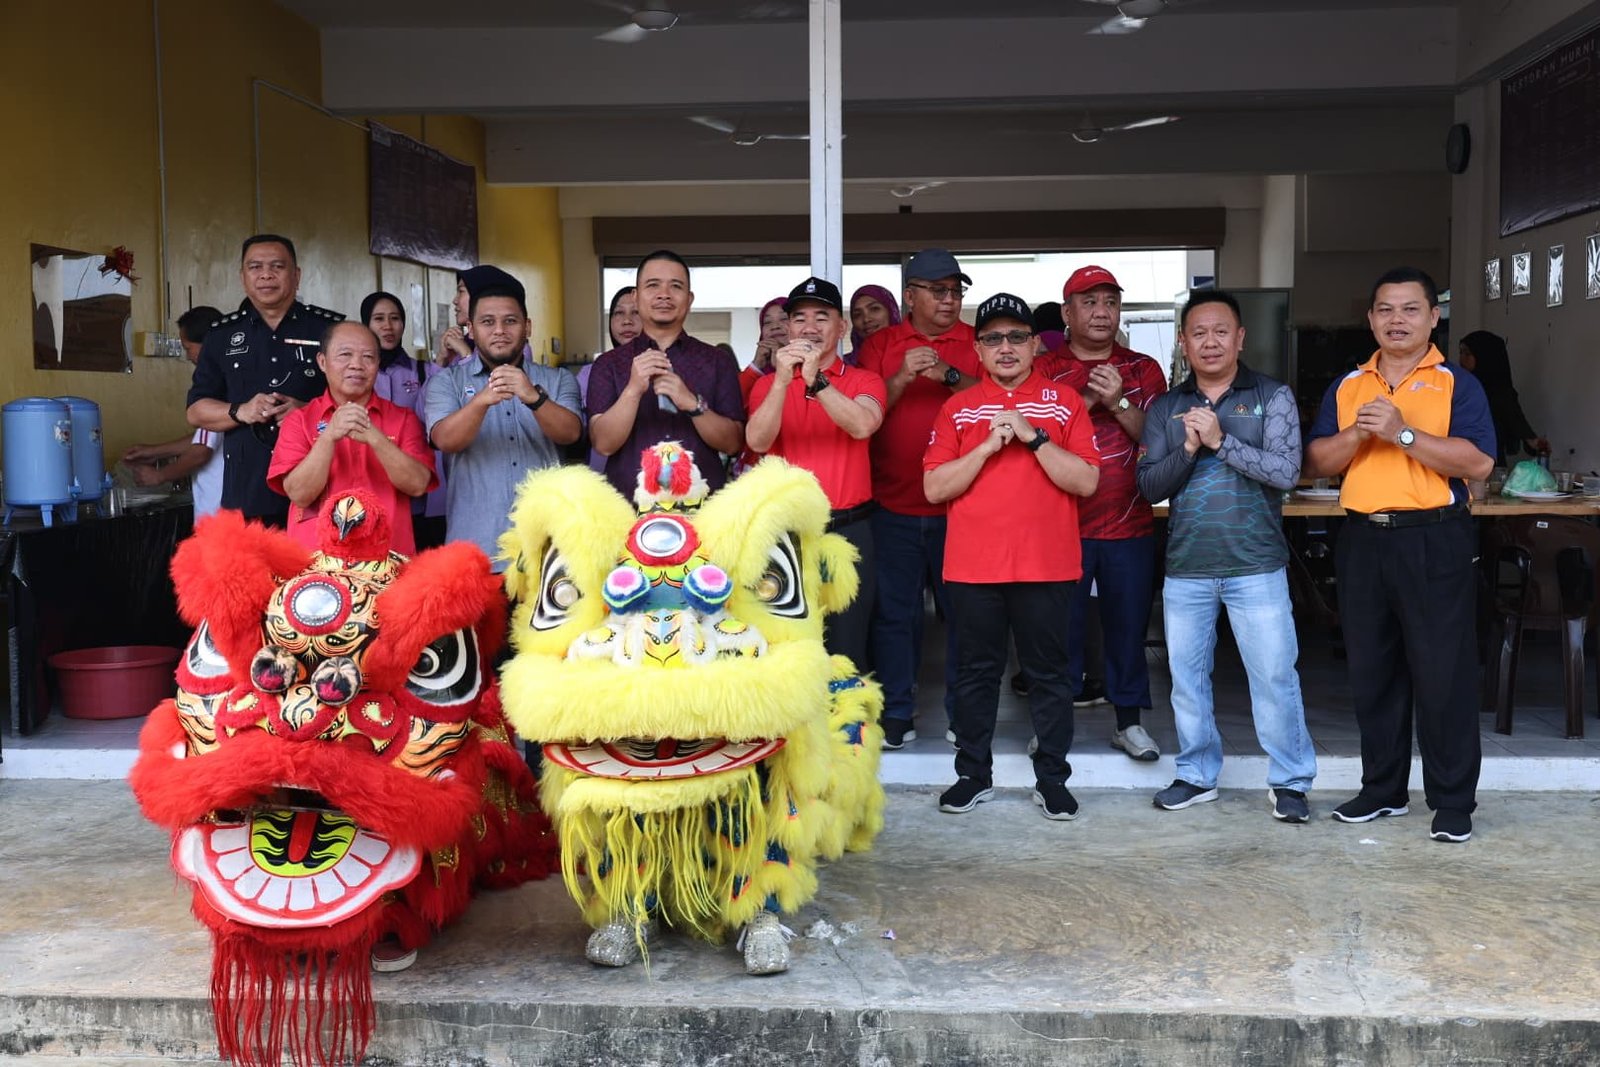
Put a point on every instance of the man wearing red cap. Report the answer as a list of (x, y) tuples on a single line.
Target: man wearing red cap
[(1115, 525), (818, 412)]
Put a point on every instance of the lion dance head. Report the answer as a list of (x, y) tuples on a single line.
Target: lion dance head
[(702, 749), (334, 768)]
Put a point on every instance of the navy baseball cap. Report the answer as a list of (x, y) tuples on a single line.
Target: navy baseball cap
[(1003, 306), (933, 264), (481, 278), (815, 290)]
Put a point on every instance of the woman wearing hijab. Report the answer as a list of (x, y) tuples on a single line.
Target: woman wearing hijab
[(1484, 354), (401, 380), (872, 307)]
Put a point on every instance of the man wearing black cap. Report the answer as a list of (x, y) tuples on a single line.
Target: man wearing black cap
[(922, 360), (1012, 456), (818, 412), (496, 416)]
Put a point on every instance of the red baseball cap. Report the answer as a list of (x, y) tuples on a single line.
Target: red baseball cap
[(1085, 278)]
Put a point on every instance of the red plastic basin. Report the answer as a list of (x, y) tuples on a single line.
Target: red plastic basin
[(119, 682)]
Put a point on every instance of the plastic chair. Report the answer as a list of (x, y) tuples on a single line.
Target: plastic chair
[(1544, 576)]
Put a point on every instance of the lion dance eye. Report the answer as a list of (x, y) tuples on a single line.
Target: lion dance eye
[(780, 587), (558, 593), (447, 670)]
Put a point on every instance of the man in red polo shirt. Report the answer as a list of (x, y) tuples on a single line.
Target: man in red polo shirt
[(922, 360), (350, 438), (818, 412), (1115, 525), (1011, 455)]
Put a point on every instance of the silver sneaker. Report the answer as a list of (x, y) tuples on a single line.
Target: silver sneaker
[(1136, 743), (765, 943), (617, 943)]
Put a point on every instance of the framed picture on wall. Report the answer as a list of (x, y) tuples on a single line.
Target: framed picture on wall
[(1591, 266), (1555, 282), (1491, 279), (1522, 274)]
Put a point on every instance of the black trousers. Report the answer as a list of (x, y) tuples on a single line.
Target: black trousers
[(846, 634), (1034, 615), (1407, 603)]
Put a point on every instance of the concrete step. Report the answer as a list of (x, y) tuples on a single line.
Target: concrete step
[(1131, 936)]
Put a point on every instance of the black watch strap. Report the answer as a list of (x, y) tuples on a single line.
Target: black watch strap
[(818, 384), (1039, 439), (699, 407), (543, 396), (233, 413)]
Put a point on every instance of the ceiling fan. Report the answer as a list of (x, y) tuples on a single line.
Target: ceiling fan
[(1089, 133), (741, 134), (1131, 16), (649, 17)]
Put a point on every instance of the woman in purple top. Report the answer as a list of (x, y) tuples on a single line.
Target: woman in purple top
[(872, 307), (401, 380)]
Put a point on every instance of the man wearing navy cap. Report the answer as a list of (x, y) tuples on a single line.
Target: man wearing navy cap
[(818, 412)]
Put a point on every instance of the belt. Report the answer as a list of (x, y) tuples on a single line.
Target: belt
[(841, 517), (1396, 520)]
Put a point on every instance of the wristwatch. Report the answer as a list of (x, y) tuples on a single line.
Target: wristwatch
[(1406, 437), (543, 396), (699, 407), (1039, 438), (233, 413), (818, 384), (952, 377), (1123, 405)]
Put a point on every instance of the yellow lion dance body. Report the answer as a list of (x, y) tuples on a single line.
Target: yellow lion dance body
[(702, 749)]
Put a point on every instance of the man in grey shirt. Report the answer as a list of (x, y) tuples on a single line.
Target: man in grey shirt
[(1223, 446), (497, 415)]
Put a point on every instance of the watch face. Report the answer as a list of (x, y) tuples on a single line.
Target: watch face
[(1407, 437), (952, 376)]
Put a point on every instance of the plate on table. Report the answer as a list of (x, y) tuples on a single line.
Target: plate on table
[(1541, 494), (1317, 494)]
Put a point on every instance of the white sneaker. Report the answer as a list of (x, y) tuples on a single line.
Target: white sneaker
[(1136, 743)]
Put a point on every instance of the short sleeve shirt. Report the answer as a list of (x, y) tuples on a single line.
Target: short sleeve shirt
[(206, 484), (810, 438), (243, 356), (709, 372), (355, 465), (1116, 510), (898, 445), (481, 480), (1013, 524), (1437, 398)]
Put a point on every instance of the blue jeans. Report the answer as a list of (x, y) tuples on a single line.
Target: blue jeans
[(1263, 628), (1125, 572), (909, 551)]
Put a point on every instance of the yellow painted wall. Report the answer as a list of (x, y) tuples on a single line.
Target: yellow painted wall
[(89, 179)]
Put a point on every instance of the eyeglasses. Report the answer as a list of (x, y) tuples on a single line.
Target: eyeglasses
[(943, 292), (1017, 339)]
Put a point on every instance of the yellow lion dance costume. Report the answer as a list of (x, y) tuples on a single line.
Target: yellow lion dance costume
[(702, 749)]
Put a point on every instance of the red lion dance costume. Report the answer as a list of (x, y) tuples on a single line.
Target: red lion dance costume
[(335, 768)]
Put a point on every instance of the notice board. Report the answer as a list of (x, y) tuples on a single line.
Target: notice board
[(424, 204), (1550, 137)]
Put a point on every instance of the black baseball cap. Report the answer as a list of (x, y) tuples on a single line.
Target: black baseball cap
[(932, 264), (1003, 306), (817, 291)]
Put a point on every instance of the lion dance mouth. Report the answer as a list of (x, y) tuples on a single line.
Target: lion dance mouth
[(334, 768)]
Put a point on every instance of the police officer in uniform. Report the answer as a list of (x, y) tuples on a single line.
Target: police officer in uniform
[(257, 365)]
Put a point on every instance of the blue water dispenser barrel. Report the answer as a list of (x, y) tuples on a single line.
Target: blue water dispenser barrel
[(88, 454), (36, 435)]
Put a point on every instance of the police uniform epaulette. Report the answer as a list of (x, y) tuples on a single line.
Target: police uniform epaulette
[(227, 318), (331, 316)]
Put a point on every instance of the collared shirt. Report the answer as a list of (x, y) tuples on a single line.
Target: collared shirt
[(708, 371), (205, 486), (355, 465), (403, 380), (898, 445), (481, 480), (1226, 514), (809, 438), (1013, 524), (243, 356), (1436, 398)]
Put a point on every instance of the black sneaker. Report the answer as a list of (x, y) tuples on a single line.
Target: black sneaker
[(1093, 693), (1451, 826), (1056, 801), (965, 795), (1020, 684), (1289, 805), (896, 732), (1181, 794), (1362, 808)]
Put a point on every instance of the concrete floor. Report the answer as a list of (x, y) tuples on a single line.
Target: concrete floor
[(1131, 936)]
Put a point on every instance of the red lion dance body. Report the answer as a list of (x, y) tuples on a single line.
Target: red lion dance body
[(335, 768)]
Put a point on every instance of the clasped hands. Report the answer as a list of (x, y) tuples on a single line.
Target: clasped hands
[(1201, 427), (1381, 419), (652, 373), (924, 362), (1104, 386), (800, 356), (1006, 427)]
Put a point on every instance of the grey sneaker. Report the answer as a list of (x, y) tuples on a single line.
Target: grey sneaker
[(1181, 794), (765, 944), (618, 943), (1136, 743), (1289, 805)]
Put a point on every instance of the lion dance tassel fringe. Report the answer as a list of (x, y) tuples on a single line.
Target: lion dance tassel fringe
[(317, 1005)]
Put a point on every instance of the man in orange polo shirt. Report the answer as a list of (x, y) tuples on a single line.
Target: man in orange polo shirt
[(1011, 456), (922, 360), (351, 438), (818, 412), (1408, 430)]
